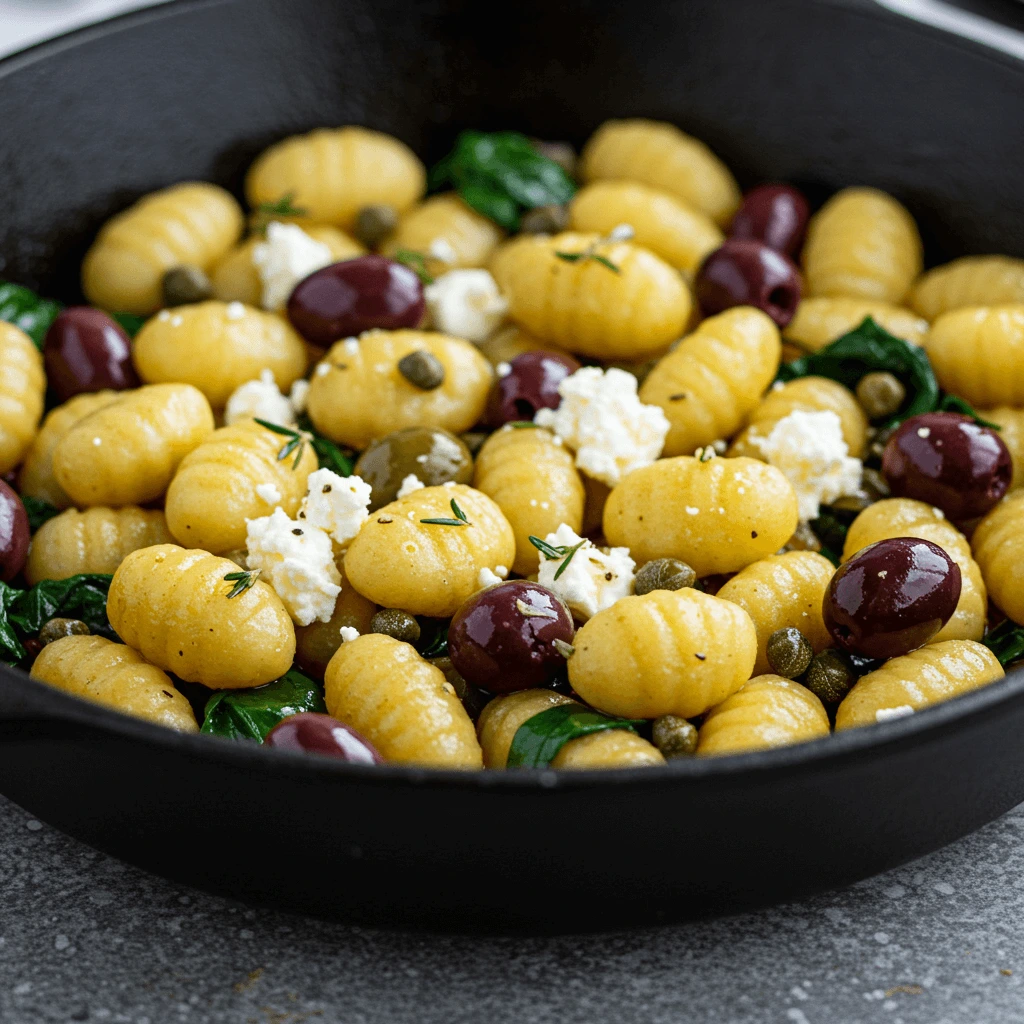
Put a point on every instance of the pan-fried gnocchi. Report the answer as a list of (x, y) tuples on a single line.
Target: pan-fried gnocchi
[(432, 464), (191, 224)]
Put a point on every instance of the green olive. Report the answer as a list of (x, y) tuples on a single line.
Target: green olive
[(374, 224), (431, 454), (186, 284), (674, 736), (395, 623), (664, 574), (789, 652), (316, 643), (422, 369), (545, 220), (56, 629), (880, 394), (830, 676)]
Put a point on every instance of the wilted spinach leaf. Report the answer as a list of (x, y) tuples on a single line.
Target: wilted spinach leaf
[(1006, 642), (539, 739), (328, 454), (953, 403), (23, 308), (433, 642), (251, 714), (131, 323), (39, 511)]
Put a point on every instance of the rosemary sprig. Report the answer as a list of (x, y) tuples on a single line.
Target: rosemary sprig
[(520, 424), (459, 520), (266, 212), (528, 611), (296, 443), (416, 262), (553, 551), (587, 254), (242, 580), (564, 649)]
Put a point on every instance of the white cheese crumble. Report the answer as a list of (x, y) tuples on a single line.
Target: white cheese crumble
[(335, 504), (410, 483), (466, 304), (297, 560), (348, 634), (284, 259), (593, 580), (298, 395), (603, 420), (501, 570), (260, 399), (269, 493), (810, 450), (443, 251), (888, 714), (486, 578)]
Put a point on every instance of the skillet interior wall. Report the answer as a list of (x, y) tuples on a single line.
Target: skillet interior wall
[(804, 90)]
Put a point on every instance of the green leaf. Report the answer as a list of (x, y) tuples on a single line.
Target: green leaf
[(39, 511), (831, 531), (23, 308), (539, 739), (953, 403), (416, 262), (500, 174), (1006, 642), (131, 323), (251, 714), (10, 644), (433, 641), (868, 349), (328, 454)]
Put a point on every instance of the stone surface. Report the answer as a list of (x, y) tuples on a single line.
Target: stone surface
[(86, 938)]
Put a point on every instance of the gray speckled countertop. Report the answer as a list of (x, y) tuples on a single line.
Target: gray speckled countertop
[(86, 938)]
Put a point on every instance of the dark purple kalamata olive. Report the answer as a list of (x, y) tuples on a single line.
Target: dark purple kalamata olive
[(891, 598), (85, 350), (504, 638), (746, 272), (948, 460), (353, 296), (530, 384), (14, 533), (312, 733), (773, 214)]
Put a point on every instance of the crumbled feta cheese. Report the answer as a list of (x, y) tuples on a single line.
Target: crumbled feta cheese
[(486, 578), (593, 580), (888, 714), (284, 259), (298, 395), (235, 310), (269, 493), (409, 484), (603, 420), (443, 251), (466, 304), (260, 399), (501, 570), (335, 503), (297, 560), (810, 450), (348, 634)]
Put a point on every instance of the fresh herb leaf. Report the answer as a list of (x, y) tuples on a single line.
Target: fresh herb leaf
[(953, 403), (868, 349), (416, 262), (26, 310), (546, 549), (296, 440), (566, 650), (459, 514), (520, 424), (131, 323), (500, 175), (587, 254), (328, 454), (539, 739), (242, 579), (251, 714), (568, 558), (1006, 642), (444, 522), (266, 212), (39, 511), (433, 642)]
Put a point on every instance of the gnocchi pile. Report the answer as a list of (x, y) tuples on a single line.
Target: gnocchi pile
[(575, 462)]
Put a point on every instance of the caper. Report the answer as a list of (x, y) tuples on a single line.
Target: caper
[(55, 629), (472, 697), (874, 485), (830, 676), (789, 652), (374, 223), (851, 503), (664, 574), (674, 736), (474, 440), (184, 285), (394, 622), (560, 153), (422, 369), (545, 220), (880, 394)]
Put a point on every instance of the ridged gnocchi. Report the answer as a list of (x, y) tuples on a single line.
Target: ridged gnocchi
[(969, 281), (904, 517), (99, 670), (659, 154), (332, 173), (819, 321), (978, 353), (171, 604), (917, 680), (22, 388), (713, 380), (862, 244), (584, 306), (357, 393), (998, 546), (216, 347), (399, 561), (96, 540), (669, 652), (1011, 432), (233, 476), (535, 484), (127, 453), (717, 516), (193, 223), (402, 704), (672, 229), (769, 711), (779, 591)]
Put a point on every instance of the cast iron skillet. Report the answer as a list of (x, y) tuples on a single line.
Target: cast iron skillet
[(825, 94)]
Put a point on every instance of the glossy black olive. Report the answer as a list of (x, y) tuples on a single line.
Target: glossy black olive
[(949, 461), (14, 533), (503, 638), (891, 598), (312, 733), (347, 298), (773, 214), (746, 272), (85, 350), (530, 384)]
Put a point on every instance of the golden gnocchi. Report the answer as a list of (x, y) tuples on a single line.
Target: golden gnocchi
[(22, 385)]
